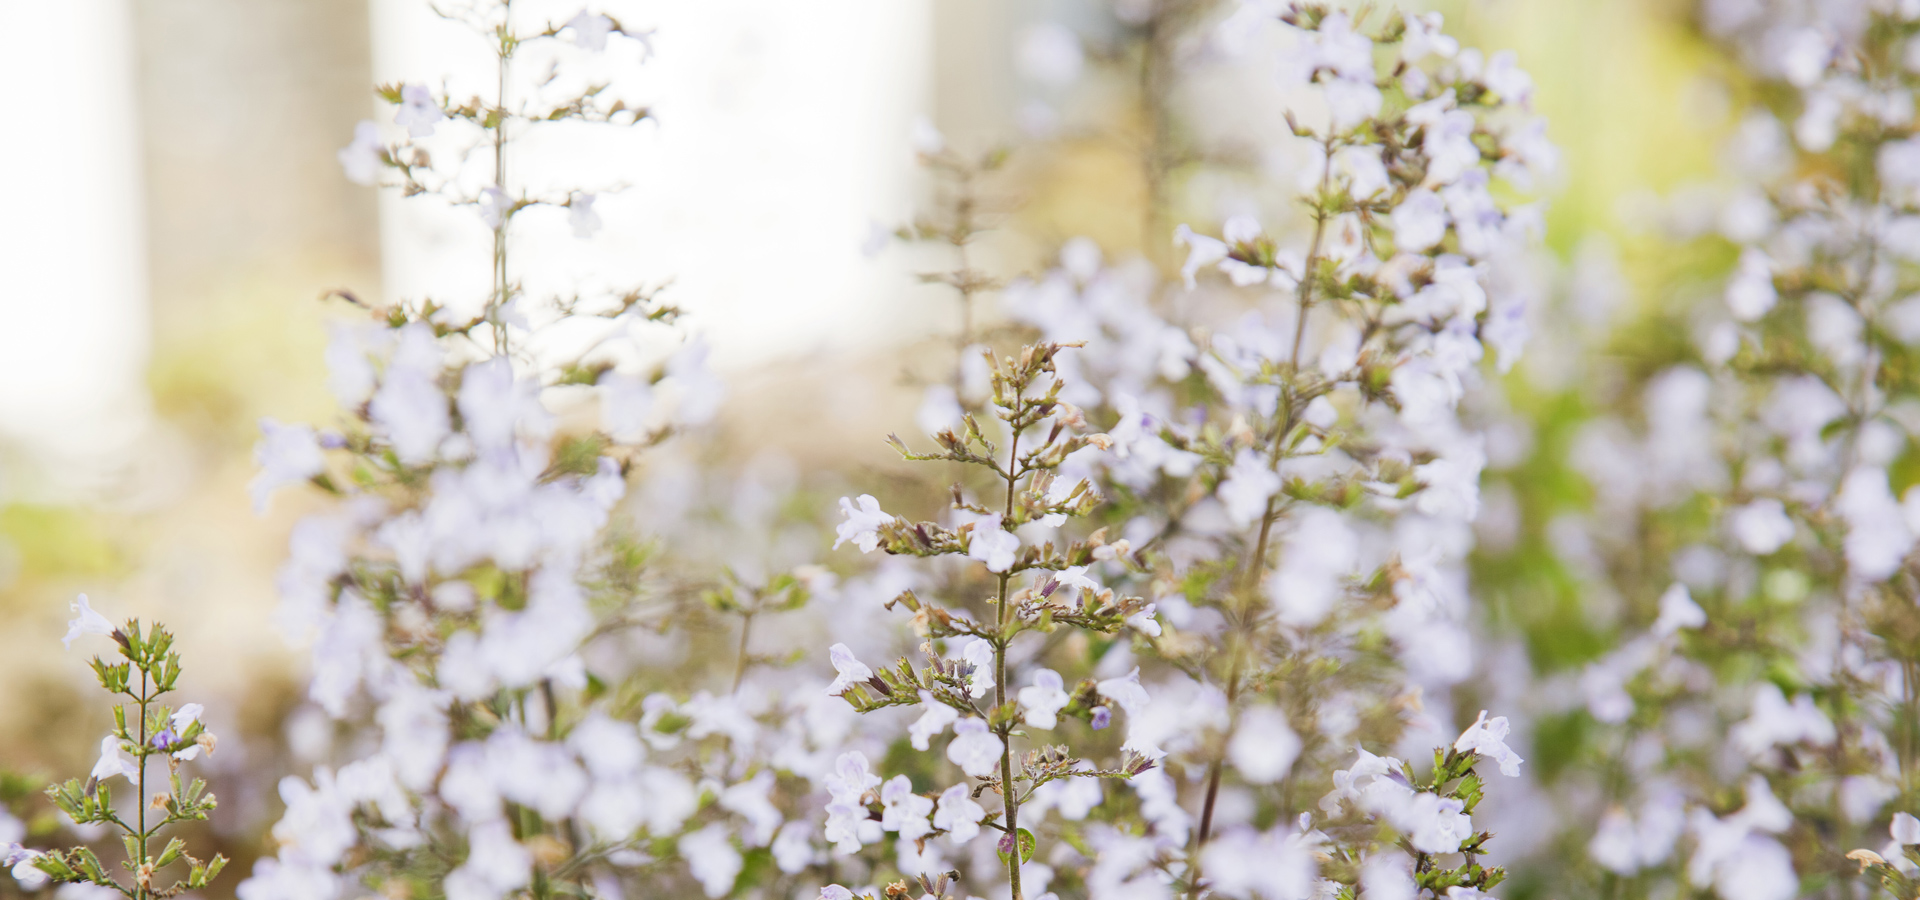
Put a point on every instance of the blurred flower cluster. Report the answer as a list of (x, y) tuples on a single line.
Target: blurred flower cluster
[(1190, 586)]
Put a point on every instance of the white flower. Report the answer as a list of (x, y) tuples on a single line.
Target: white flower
[(1276, 865), (1487, 738), (975, 749), (1202, 251), (698, 391), (847, 817), (590, 30), (85, 621), (1144, 621), (959, 816), (1050, 55), (1125, 692), (904, 811), (1247, 488), (1877, 535), (1761, 527), (1775, 722), (418, 112), (1507, 80), (1264, 746), (1388, 875), (580, 214), (712, 859), (1905, 829), (1423, 38), (939, 409), (626, 407), (934, 721), (493, 206), (851, 671), (1044, 699), (1677, 611), (361, 159), (991, 544), (114, 761), (289, 455), (1350, 102), (863, 523), (1436, 824), (185, 716), (1366, 174), (793, 850), (1750, 293), (978, 653), (925, 138), (1321, 552)]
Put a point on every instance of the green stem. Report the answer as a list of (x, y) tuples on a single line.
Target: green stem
[(740, 665), (141, 797), (1256, 561), (1009, 797)]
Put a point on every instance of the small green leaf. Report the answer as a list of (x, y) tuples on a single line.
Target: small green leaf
[(1026, 846)]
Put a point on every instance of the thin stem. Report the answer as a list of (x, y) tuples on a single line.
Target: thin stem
[(740, 663), (141, 797), (500, 283), (1256, 561), (1009, 796)]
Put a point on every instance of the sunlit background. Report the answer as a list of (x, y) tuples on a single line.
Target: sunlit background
[(177, 214)]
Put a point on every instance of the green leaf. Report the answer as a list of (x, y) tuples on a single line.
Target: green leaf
[(1026, 846)]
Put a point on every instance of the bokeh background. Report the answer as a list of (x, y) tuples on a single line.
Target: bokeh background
[(178, 213)]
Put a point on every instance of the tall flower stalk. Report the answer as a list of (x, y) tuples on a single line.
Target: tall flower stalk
[(143, 728)]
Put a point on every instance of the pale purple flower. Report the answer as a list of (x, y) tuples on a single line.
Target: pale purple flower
[(991, 544), (904, 811), (1264, 745), (1247, 488), (114, 761), (493, 207), (1677, 611), (978, 654), (975, 749), (289, 454), (1202, 251), (361, 160), (1420, 221), (1044, 699), (85, 621), (1905, 829), (590, 30), (851, 671), (418, 111), (712, 858), (1050, 54), (959, 816), (863, 523), (1761, 527), (1125, 692), (1487, 738), (933, 721), (581, 217), (1750, 293)]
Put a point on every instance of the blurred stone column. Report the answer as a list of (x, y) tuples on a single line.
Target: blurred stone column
[(73, 305)]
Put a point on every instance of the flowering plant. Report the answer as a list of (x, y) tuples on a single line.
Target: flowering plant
[(149, 671)]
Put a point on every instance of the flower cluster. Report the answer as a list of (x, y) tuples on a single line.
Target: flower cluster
[(1286, 485), (143, 728)]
